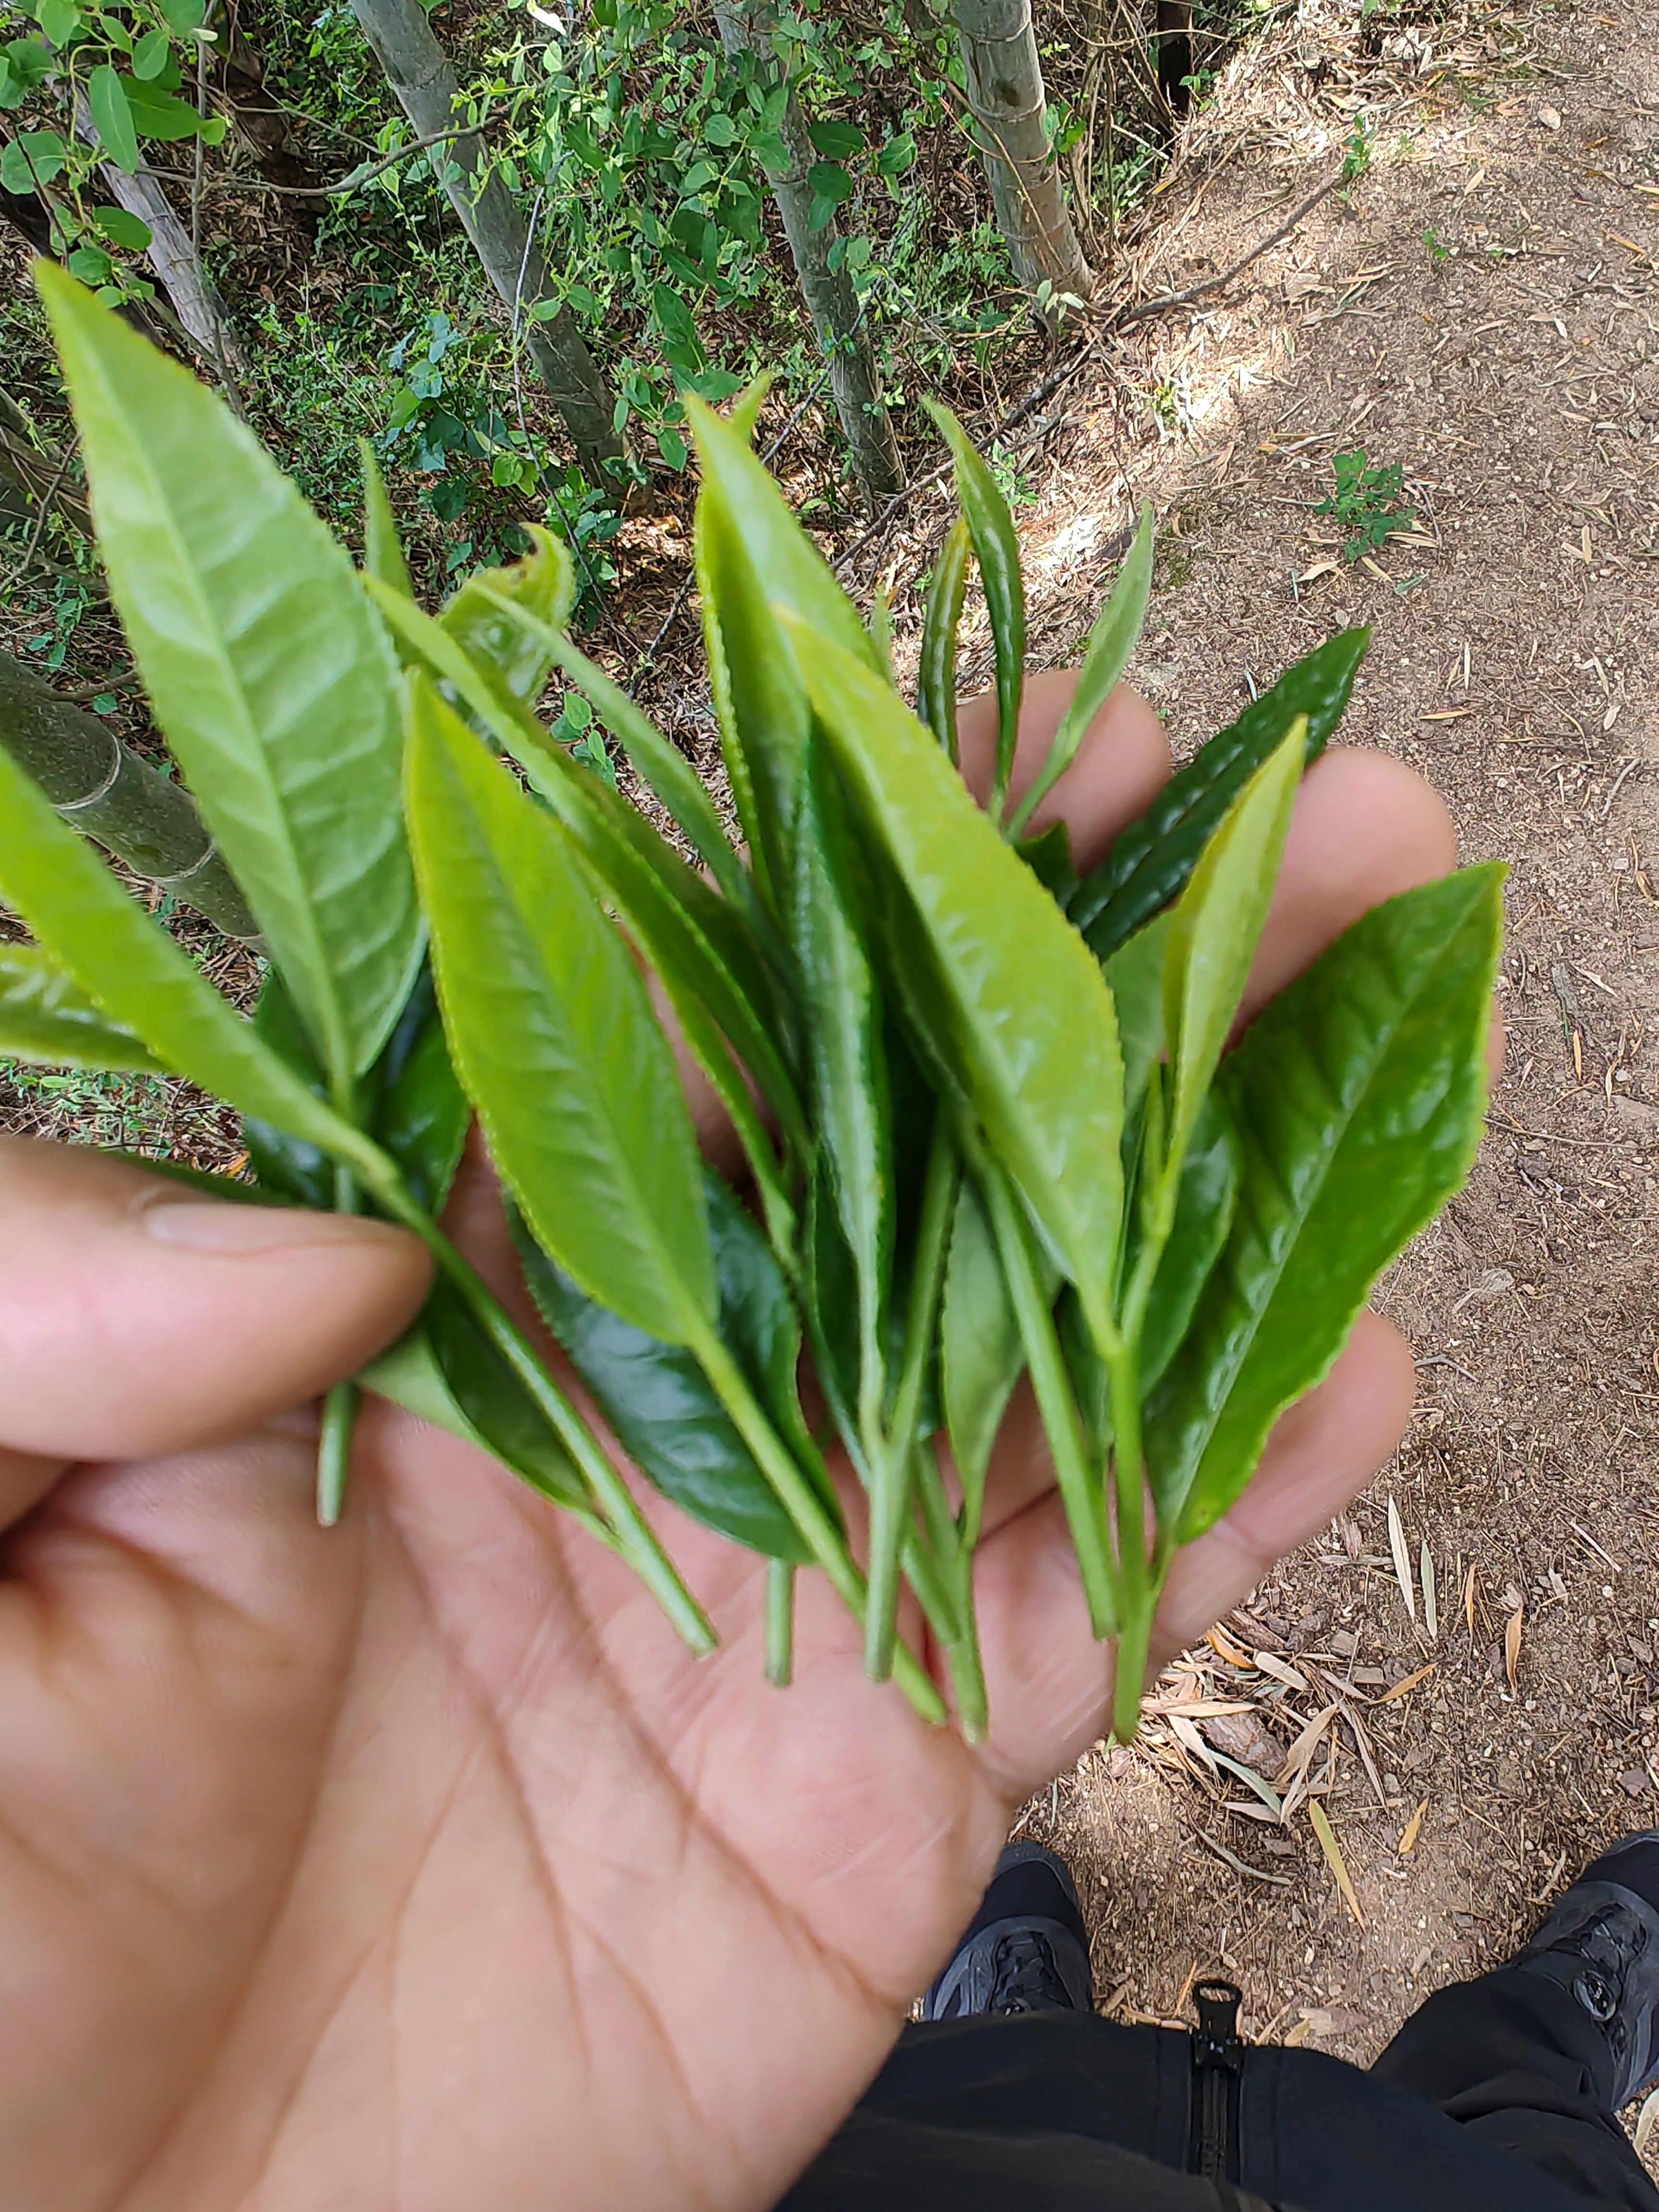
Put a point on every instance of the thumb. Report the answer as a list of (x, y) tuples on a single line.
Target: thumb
[(137, 1316)]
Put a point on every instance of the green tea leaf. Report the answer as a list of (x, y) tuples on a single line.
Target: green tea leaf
[(480, 616), (408, 1375), (795, 573), (271, 677), (981, 1352), (658, 1401), (701, 947), (1028, 1024), (941, 627), (1135, 975), (1205, 1198), (418, 1111), (1357, 1096), (659, 764), (383, 550), (493, 1401), (758, 700), (46, 1018), (1048, 856), (112, 117), (996, 547), (141, 980), (1151, 860), (289, 1166), (1214, 926), (554, 1038), (1112, 640), (844, 1022)]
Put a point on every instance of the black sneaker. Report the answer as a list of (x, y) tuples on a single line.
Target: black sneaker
[(1025, 1949), (1602, 1943)]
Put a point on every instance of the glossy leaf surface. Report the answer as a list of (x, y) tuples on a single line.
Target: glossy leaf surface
[(680, 921), (981, 1352), (1117, 627), (554, 1037), (138, 978), (1029, 1024), (840, 1000), (45, 1017), (418, 1109), (658, 1401), (1205, 1198), (941, 628), (494, 1402), (1213, 927), (1357, 1097), (1151, 860), (795, 573), (996, 548), (271, 677), (758, 700), (659, 765)]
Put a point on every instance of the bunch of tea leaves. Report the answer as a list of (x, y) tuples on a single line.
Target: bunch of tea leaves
[(991, 1124)]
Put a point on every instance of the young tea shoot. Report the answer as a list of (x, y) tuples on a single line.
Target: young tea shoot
[(993, 1120)]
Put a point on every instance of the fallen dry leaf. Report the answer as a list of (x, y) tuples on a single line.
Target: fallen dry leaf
[(1413, 1829), (1404, 1689), (1333, 1859), (1512, 1642), (1402, 1557)]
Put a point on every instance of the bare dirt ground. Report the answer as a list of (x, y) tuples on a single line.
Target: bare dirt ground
[(1482, 308)]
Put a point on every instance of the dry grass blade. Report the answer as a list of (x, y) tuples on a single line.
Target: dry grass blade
[(1226, 1648), (1299, 1757), (1512, 1628), (1468, 1599), (1363, 1740), (1327, 1844), (1404, 1689), (1407, 1843), (1402, 1557), (1267, 1664), (1430, 1593)]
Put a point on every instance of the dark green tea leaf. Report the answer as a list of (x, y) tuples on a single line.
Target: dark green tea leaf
[(1357, 1097), (493, 1401), (941, 626), (1152, 860), (271, 679), (655, 1397), (554, 1037)]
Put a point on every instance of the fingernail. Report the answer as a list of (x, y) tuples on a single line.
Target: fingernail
[(201, 1225)]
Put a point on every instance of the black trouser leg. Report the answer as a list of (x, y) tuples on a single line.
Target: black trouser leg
[(1514, 2060)]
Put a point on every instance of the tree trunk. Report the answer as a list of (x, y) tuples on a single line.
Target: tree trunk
[(1174, 41), (110, 793), (1005, 90), (420, 75), (746, 27), (196, 298)]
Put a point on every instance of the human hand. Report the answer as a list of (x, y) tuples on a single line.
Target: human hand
[(415, 1865)]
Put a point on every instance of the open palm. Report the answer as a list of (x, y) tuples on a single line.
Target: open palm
[(415, 1864)]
